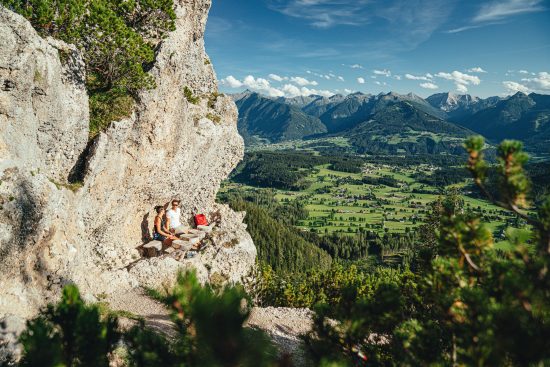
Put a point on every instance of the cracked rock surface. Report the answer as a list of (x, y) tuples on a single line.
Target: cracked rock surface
[(52, 233)]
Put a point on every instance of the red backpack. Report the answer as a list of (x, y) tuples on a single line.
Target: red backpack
[(200, 220)]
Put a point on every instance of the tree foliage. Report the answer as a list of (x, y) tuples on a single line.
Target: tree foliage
[(69, 334), (208, 331), (117, 39), (470, 305)]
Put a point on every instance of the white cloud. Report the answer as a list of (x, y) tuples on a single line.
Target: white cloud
[(514, 87), (499, 9), (309, 71), (307, 92), (428, 85), (322, 13), (348, 91), (460, 78), (384, 72), (461, 88), (397, 77), (361, 80), (262, 85), (356, 66), (541, 83), (259, 83), (477, 69), (427, 77), (290, 90), (277, 78), (523, 72), (232, 82), (341, 78), (302, 81)]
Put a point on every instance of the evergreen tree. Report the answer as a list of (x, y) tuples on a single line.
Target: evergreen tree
[(473, 305)]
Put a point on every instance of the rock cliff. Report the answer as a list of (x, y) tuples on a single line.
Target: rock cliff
[(53, 232)]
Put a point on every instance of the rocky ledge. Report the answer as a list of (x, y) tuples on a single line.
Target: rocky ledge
[(54, 231)]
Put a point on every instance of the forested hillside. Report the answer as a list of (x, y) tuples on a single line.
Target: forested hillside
[(521, 116)]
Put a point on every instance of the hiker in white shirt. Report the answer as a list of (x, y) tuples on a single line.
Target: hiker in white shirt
[(173, 216)]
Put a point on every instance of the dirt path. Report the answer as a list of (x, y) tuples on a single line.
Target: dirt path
[(283, 325)]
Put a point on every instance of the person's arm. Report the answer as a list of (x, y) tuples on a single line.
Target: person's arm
[(160, 230), (167, 224)]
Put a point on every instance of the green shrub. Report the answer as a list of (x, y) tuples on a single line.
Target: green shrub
[(191, 98), (117, 38), (471, 305), (214, 118), (69, 334), (208, 331), (106, 107)]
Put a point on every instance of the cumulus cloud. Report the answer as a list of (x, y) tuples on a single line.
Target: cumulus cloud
[(427, 77), (476, 70), (257, 84), (461, 80), (341, 78), (428, 85), (307, 92), (263, 85), (540, 83), (348, 91), (523, 72), (277, 78), (232, 82), (397, 77), (361, 80), (302, 81), (514, 87), (356, 66), (461, 88), (290, 90), (384, 72)]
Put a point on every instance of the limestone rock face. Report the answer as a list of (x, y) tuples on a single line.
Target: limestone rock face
[(43, 104), (52, 233)]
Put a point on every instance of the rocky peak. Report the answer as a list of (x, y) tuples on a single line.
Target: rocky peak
[(53, 232)]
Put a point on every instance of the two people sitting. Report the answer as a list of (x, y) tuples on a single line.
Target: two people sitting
[(167, 225)]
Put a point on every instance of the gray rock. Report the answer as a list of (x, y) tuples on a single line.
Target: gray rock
[(51, 235), (10, 328)]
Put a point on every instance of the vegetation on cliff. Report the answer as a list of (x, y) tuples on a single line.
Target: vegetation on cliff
[(117, 40), (208, 331)]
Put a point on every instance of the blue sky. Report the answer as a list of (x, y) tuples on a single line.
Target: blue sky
[(300, 47)]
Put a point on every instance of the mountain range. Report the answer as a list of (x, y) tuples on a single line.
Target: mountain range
[(396, 123)]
